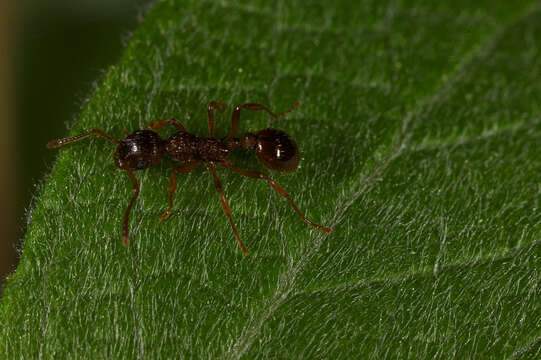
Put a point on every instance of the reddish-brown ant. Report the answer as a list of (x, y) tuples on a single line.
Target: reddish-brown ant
[(144, 148)]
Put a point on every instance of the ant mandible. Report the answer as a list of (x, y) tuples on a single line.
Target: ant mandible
[(144, 148)]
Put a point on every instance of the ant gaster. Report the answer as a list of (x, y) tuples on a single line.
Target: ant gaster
[(144, 148)]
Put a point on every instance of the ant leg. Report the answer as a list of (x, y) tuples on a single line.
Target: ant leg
[(210, 115), (279, 189), (157, 125), (225, 205), (125, 231), (255, 107), (61, 142), (173, 184)]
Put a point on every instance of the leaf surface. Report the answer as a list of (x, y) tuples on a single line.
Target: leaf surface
[(420, 132)]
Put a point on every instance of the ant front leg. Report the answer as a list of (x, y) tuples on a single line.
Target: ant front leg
[(210, 115), (157, 125), (279, 189), (173, 184), (235, 118), (225, 205), (125, 231)]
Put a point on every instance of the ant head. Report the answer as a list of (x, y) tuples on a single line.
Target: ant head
[(139, 150), (275, 149)]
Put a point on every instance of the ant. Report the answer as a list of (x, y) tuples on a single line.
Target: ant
[(144, 148)]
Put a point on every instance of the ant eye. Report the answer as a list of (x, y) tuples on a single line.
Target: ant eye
[(276, 150)]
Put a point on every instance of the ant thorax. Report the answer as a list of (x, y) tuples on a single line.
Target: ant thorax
[(186, 147), (182, 146)]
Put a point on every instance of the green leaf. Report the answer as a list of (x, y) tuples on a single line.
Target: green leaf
[(420, 132)]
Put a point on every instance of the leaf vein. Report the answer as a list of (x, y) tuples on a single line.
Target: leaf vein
[(536, 342), (508, 130), (428, 273)]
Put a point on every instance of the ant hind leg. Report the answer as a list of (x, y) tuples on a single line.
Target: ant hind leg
[(276, 187), (235, 118)]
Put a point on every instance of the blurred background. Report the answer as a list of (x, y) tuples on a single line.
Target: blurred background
[(52, 55)]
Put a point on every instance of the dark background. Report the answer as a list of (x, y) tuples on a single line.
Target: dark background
[(54, 53)]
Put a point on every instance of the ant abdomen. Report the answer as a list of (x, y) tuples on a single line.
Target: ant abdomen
[(139, 150), (277, 150)]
